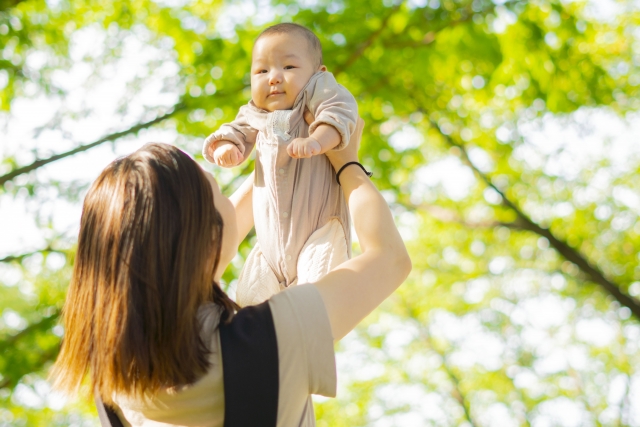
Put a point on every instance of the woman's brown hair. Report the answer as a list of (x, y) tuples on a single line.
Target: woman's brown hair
[(148, 247)]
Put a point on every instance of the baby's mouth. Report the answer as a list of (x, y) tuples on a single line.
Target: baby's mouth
[(276, 93)]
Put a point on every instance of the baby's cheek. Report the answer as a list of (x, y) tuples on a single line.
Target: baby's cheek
[(256, 94)]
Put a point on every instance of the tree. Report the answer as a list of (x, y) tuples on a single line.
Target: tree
[(522, 308)]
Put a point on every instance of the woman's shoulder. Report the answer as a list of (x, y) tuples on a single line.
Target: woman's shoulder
[(303, 304), (305, 340)]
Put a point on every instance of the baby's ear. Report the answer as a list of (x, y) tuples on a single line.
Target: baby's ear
[(322, 68)]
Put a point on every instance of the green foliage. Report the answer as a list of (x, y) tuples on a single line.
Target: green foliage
[(493, 325)]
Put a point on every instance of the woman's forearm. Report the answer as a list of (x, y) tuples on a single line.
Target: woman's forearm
[(358, 286), (242, 200), (372, 219)]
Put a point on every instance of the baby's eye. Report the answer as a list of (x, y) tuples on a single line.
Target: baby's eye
[(289, 67), (261, 71)]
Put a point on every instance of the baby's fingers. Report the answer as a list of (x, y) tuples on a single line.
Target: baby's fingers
[(290, 150), (295, 150), (301, 151), (237, 157), (228, 158)]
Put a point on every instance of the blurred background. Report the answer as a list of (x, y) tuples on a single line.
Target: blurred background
[(505, 135)]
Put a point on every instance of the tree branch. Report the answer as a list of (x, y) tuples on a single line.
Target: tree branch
[(18, 258), (8, 4), (19, 372), (431, 36), (42, 162), (45, 321), (451, 216), (44, 358), (368, 42), (457, 392), (625, 404), (571, 254)]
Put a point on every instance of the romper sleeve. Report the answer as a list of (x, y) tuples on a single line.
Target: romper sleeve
[(332, 104), (305, 342), (238, 132)]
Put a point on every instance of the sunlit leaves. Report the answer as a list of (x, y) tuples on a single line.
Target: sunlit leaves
[(494, 323)]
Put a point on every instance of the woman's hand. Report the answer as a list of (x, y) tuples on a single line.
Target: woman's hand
[(338, 158)]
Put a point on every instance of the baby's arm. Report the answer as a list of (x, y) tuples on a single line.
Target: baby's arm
[(335, 111), (232, 143), (324, 138)]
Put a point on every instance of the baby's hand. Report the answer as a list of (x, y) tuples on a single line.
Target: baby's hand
[(301, 148), (226, 154)]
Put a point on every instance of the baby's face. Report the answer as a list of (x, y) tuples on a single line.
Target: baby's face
[(281, 66)]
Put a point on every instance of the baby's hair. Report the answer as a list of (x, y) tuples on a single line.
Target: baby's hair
[(288, 28)]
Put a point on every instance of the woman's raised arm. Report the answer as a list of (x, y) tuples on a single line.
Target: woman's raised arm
[(242, 200), (355, 288)]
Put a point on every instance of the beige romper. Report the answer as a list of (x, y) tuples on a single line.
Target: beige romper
[(301, 217)]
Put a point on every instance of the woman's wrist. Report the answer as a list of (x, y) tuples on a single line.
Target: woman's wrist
[(339, 158), (354, 164), (339, 163), (351, 178)]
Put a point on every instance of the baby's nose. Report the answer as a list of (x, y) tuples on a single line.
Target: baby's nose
[(275, 77)]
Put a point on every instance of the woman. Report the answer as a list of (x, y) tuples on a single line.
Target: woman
[(161, 342)]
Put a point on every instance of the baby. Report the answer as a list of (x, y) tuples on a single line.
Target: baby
[(301, 218)]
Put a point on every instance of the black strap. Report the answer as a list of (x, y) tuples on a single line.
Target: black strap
[(108, 417), (250, 367), (250, 370)]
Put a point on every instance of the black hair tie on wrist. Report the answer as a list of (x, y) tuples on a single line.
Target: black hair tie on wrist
[(369, 174)]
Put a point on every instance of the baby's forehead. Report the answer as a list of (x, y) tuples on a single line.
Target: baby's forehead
[(287, 46), (292, 54)]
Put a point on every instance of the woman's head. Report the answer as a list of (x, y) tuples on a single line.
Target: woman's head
[(149, 247)]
